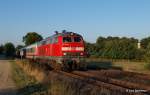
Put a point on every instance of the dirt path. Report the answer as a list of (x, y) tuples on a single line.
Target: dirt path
[(7, 86)]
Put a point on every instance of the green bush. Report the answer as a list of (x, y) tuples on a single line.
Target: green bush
[(9, 49), (115, 48), (147, 57), (147, 66)]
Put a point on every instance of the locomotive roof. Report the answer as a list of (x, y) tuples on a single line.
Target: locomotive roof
[(64, 34)]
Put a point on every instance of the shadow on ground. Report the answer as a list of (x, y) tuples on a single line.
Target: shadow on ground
[(92, 65), (27, 90), (3, 57), (8, 92)]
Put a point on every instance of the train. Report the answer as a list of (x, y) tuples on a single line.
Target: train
[(61, 51)]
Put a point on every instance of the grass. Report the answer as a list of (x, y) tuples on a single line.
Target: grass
[(147, 66), (26, 85), (20, 77), (138, 67), (126, 65), (63, 85), (53, 83), (33, 81)]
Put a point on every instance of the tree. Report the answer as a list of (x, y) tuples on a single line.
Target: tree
[(9, 49), (128, 48), (100, 43), (31, 38), (91, 49), (147, 57), (1, 49), (145, 42), (117, 48)]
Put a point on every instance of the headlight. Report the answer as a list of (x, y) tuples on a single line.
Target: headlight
[(64, 53), (81, 53)]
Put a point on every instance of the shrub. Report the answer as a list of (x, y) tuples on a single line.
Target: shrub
[(147, 57), (9, 49), (147, 66)]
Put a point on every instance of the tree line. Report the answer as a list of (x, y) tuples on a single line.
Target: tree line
[(9, 49), (119, 48), (104, 47)]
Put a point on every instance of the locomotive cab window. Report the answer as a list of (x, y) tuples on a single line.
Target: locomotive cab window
[(67, 39), (55, 40), (77, 39)]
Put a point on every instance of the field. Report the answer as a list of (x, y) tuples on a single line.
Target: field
[(138, 67), (102, 77), (125, 65)]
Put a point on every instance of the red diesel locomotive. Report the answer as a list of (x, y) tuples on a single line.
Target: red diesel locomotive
[(61, 51)]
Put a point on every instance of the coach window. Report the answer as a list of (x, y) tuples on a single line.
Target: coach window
[(39, 43), (30, 50), (33, 50), (44, 42)]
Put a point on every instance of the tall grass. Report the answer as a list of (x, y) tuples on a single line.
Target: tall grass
[(147, 66), (50, 83), (26, 84)]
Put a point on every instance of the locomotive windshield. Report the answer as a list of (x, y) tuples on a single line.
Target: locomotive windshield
[(77, 39), (67, 39), (72, 39)]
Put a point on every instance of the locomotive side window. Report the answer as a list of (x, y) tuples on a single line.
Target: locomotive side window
[(50, 41), (54, 40), (40, 43), (47, 41), (67, 39), (77, 39)]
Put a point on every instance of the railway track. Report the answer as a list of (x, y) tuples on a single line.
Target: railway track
[(133, 74), (137, 75), (118, 82), (124, 76), (108, 83)]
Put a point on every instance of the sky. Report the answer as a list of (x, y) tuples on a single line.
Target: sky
[(90, 18)]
